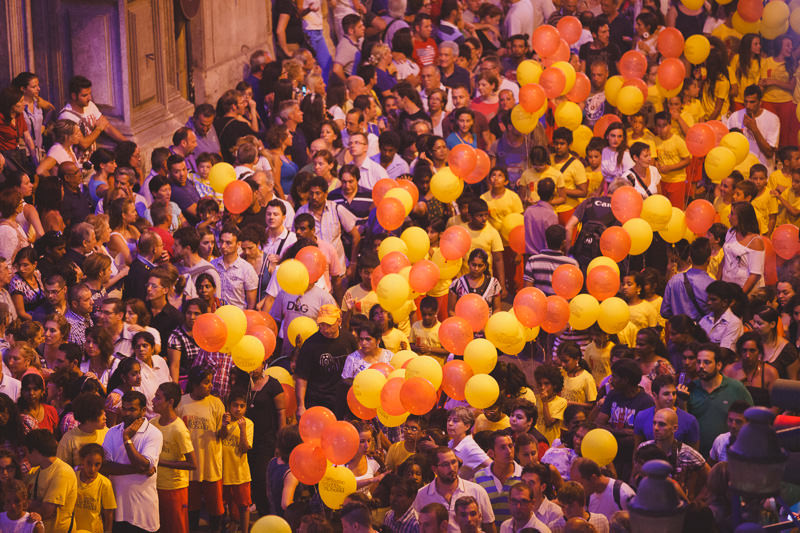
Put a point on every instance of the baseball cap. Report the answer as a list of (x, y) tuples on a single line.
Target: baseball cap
[(328, 314)]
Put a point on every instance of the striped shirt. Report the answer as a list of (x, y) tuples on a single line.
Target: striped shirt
[(540, 267), (498, 491), (408, 523)]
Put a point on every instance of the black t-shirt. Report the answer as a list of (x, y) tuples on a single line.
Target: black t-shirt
[(460, 76), (609, 55), (320, 363), (294, 29), (165, 323), (229, 130), (258, 218), (596, 209), (262, 412)]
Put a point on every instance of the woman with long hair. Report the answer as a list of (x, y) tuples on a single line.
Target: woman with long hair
[(124, 233), (368, 353), (49, 194), (393, 339), (331, 134), (715, 81), (127, 377), (463, 132), (98, 354), (364, 467), (478, 281), (745, 68), (786, 290), (776, 350), (25, 287), (752, 369), (34, 412), (743, 251), (207, 291), (28, 219), (56, 332), (437, 101), (128, 155), (14, 130), (436, 151), (325, 165), (778, 83), (616, 161), (38, 112), (278, 141), (66, 134)]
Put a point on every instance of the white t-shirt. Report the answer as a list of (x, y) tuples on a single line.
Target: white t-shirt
[(519, 19), (655, 179), (470, 453), (768, 124), (604, 502), (719, 450), (61, 154), (10, 387), (86, 119), (313, 19)]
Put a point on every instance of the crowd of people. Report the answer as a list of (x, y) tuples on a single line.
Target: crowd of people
[(112, 417)]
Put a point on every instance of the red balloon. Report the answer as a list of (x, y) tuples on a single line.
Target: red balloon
[(390, 397), (532, 97), (394, 262), (671, 72), (291, 400), (270, 322), (475, 309), (409, 186), (383, 368), (700, 139), (418, 395), (340, 442), (602, 282), (602, 125), (391, 213), (546, 40), (267, 338), (237, 197), (770, 263), (700, 215), (364, 413), (561, 54), (557, 314), (455, 333), (481, 169), (210, 332), (530, 306), (785, 241), (626, 203), (639, 84), (423, 276), (567, 281), (570, 29), (307, 463), (462, 159), (314, 260), (720, 129), (455, 375), (553, 82), (670, 42), (581, 90), (516, 239), (750, 10), (375, 277), (381, 188), (633, 64), (455, 243), (315, 422), (615, 243)]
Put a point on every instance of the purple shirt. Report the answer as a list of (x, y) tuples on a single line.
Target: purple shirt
[(538, 217)]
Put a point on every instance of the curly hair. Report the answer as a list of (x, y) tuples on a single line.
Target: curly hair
[(551, 373)]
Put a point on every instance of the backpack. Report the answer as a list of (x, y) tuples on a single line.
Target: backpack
[(587, 245)]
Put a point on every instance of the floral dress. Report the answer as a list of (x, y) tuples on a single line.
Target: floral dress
[(31, 296)]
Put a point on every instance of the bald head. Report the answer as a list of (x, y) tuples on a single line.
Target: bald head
[(665, 424)]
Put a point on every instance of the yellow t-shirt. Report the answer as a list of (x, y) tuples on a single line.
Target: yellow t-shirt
[(723, 211), (358, 293), (177, 443), (72, 441), (670, 152), (655, 98), (393, 340), (508, 203), (581, 388), (648, 138), (93, 498), (765, 205), (484, 424), (643, 315), (557, 406), (599, 360), (400, 316), (770, 68), (572, 176), (784, 217), (722, 89), (530, 178), (456, 220), (397, 455), (487, 239), (779, 181), (425, 337), (595, 178), (235, 468), (56, 484), (203, 419), (714, 262), (750, 77), (723, 32), (745, 166)]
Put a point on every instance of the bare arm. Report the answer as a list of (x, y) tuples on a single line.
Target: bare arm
[(300, 392), (188, 462), (174, 361), (251, 299), (280, 32)]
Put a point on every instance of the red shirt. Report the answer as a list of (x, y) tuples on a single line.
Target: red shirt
[(425, 52), (10, 135)]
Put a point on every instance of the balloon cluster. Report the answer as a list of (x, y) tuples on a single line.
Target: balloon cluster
[(465, 164), (237, 196), (295, 275), (752, 16), (627, 91), (394, 200), (249, 336)]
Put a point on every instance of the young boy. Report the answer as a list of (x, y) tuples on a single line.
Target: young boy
[(673, 158), (425, 333), (540, 168), (354, 296), (724, 198), (501, 200), (716, 235), (94, 507), (485, 237), (575, 186), (16, 517), (89, 411), (237, 438), (781, 179), (594, 156), (765, 204), (462, 204), (399, 451), (205, 161), (639, 132), (744, 191), (789, 201), (175, 461)]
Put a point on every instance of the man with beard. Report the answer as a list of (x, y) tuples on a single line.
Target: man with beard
[(711, 394)]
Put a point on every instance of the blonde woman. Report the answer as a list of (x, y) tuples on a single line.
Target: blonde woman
[(385, 69)]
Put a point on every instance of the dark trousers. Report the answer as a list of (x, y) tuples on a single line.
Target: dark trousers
[(127, 527)]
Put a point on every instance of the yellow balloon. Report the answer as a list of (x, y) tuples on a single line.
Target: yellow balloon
[(248, 353), (629, 100), (773, 32), (426, 367), (397, 373), (583, 311), (568, 115), (696, 49), (220, 176), (641, 235), (281, 374), (392, 244), (446, 186), (668, 94), (676, 227), (271, 524), (391, 421), (303, 326), (600, 446), (400, 358), (522, 120), (511, 221), (744, 27), (614, 315), (612, 87), (569, 74), (481, 391), (531, 333), (393, 291), (737, 143), (689, 235), (417, 242), (503, 330), (447, 269), (580, 139), (794, 20), (719, 163), (775, 14), (480, 355), (693, 4), (293, 277), (337, 483), (528, 71), (236, 322), (602, 260), (404, 196), (657, 211), (367, 387)]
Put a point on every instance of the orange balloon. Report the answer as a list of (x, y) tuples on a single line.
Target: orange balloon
[(307, 463), (639, 84), (254, 318), (700, 139), (417, 395), (314, 422), (785, 241), (394, 262), (626, 203), (532, 97), (314, 260), (516, 239), (720, 129), (270, 322), (482, 167), (462, 159), (390, 397), (700, 215), (237, 197), (581, 90), (670, 43), (750, 10), (530, 306), (553, 82), (602, 282), (615, 243), (267, 338), (561, 54), (546, 40), (455, 243), (411, 188), (291, 400), (423, 276), (633, 64), (557, 314), (602, 125), (383, 368), (391, 213), (570, 29), (381, 188), (455, 375), (567, 281), (455, 333), (210, 332), (475, 309), (340, 442), (364, 413), (375, 277), (671, 72)]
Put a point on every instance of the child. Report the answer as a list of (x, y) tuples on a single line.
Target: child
[(716, 235), (462, 203), (724, 196), (425, 332), (789, 201), (579, 386), (597, 353), (353, 297), (399, 451), (551, 406), (210, 215), (236, 434), (765, 204), (744, 191), (491, 419), (486, 238), (673, 158), (89, 411), (540, 168), (16, 518), (642, 312), (594, 156), (781, 179), (501, 200), (94, 507), (639, 132), (175, 462), (574, 185), (204, 162)]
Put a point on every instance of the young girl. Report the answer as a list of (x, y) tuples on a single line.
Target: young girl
[(476, 281), (579, 386), (745, 68), (502, 201), (652, 283), (597, 353), (94, 507), (463, 134), (716, 86), (551, 406), (393, 339), (593, 173), (127, 377), (16, 518), (716, 235), (34, 413), (237, 438), (642, 313), (616, 161)]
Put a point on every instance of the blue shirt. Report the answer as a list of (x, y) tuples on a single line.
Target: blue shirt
[(677, 300), (185, 196), (688, 428)]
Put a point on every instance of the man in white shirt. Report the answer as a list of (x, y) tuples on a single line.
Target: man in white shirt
[(572, 499), (538, 477), (238, 277), (606, 495), (762, 128), (371, 172), (430, 79), (519, 19), (356, 122), (185, 248), (521, 502), (83, 111)]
